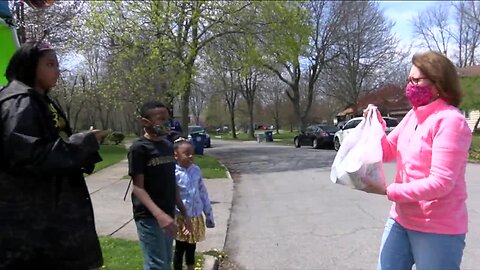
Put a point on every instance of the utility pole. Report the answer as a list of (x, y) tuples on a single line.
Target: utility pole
[(19, 7)]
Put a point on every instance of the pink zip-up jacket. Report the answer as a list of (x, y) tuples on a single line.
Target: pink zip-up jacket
[(430, 146)]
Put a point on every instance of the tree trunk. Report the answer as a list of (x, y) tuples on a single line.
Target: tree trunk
[(296, 108), (75, 118), (277, 125), (276, 117), (250, 114), (187, 90), (92, 119), (107, 120), (185, 112), (232, 124), (231, 99)]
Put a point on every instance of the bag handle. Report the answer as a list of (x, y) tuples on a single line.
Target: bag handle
[(372, 117)]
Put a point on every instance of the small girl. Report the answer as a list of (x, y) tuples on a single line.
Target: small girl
[(195, 198)]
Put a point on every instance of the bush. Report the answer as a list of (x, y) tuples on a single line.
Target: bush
[(116, 137), (106, 133)]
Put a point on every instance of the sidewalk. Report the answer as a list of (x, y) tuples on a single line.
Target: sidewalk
[(113, 215)]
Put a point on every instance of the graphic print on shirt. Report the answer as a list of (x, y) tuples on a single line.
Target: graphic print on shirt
[(160, 160), (59, 123)]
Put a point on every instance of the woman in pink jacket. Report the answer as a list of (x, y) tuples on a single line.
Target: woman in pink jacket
[(428, 219)]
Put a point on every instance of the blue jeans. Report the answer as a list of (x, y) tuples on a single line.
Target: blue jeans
[(402, 248), (156, 245)]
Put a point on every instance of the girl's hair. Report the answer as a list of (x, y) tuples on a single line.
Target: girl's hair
[(179, 142), (443, 73), (23, 64)]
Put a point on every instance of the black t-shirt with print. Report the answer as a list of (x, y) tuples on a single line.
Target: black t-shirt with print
[(156, 162), (59, 122)]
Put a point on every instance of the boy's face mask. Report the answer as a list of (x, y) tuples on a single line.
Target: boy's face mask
[(158, 129), (161, 130)]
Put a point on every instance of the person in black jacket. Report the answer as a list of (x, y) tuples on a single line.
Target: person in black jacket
[(46, 216), (175, 127)]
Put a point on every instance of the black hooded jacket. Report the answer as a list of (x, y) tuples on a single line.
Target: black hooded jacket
[(46, 216)]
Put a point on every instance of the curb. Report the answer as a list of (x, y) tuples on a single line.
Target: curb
[(229, 176), (211, 262)]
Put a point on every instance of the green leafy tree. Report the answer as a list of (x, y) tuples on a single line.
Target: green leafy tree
[(167, 37), (471, 99)]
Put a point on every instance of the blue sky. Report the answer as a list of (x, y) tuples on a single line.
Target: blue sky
[(401, 12)]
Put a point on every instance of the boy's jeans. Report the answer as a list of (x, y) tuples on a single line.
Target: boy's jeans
[(401, 248), (156, 245)]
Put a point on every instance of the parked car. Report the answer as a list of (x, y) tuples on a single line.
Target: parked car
[(391, 123), (340, 124), (347, 128), (200, 130), (316, 136)]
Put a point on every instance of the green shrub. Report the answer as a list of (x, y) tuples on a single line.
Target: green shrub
[(116, 137), (107, 134)]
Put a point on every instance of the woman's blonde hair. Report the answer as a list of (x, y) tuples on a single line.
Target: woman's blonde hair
[(443, 73)]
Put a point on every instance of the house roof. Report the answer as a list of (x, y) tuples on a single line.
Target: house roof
[(389, 98), (348, 110), (470, 71)]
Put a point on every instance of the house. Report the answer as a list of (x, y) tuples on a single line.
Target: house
[(470, 71), (390, 100)]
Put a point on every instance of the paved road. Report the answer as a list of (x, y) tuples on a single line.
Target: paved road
[(287, 214)]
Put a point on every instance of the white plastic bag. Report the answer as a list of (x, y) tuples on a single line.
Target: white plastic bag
[(360, 157)]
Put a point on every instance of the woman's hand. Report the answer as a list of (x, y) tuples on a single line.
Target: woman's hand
[(373, 107), (375, 189), (379, 115)]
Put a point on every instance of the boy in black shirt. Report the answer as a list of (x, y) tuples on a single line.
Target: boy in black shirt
[(155, 193)]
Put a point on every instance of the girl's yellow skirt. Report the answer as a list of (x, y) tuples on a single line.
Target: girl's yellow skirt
[(198, 233)]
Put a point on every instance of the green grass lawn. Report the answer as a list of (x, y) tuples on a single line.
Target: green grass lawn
[(110, 154), (475, 147), (241, 136), (120, 254), (130, 137), (284, 137), (211, 168)]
